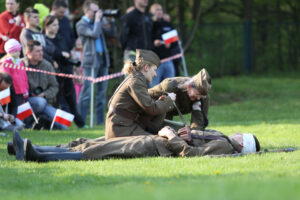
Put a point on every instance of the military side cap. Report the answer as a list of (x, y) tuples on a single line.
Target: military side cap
[(147, 55), (202, 81)]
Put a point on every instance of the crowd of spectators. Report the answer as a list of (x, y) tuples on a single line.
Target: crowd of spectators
[(43, 38)]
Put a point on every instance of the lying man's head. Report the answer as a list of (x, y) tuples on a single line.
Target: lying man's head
[(247, 142)]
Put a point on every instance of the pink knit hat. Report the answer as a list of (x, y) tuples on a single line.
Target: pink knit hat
[(12, 45)]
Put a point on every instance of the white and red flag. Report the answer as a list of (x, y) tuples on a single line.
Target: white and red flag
[(63, 118), (5, 96), (170, 37), (24, 111)]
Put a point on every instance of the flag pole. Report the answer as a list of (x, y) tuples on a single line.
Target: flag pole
[(52, 124), (182, 58), (34, 117), (92, 100)]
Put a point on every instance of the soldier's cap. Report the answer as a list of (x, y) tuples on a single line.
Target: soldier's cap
[(147, 55), (202, 81)]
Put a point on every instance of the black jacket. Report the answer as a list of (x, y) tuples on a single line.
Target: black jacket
[(136, 31)]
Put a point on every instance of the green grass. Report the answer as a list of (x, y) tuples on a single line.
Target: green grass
[(267, 106)]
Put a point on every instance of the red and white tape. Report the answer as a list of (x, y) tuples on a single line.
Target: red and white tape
[(179, 55), (89, 78)]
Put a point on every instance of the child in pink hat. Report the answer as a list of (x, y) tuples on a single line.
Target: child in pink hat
[(12, 64)]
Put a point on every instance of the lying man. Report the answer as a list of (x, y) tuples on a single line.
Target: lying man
[(191, 96), (166, 143)]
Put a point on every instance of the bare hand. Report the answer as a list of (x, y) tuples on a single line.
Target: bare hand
[(98, 15), (162, 97), (4, 38), (18, 20), (167, 132), (55, 65), (167, 45), (65, 54), (157, 43), (172, 95), (41, 95)]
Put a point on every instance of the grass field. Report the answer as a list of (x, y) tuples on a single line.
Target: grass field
[(267, 106)]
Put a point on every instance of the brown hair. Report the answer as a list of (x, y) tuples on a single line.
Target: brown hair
[(87, 4), (48, 21), (31, 44), (29, 11), (131, 66)]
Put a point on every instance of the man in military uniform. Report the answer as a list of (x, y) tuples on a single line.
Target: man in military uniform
[(166, 143), (191, 96)]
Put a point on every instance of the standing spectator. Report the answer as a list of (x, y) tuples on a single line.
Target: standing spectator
[(62, 58), (19, 89), (136, 32), (59, 9), (43, 87), (166, 69), (32, 31), (91, 31), (11, 23), (77, 55)]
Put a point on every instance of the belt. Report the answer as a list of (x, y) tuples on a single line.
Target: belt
[(124, 113)]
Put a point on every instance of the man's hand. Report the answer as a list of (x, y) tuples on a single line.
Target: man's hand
[(167, 132), (162, 97), (18, 20), (157, 43), (172, 95), (41, 95), (98, 15)]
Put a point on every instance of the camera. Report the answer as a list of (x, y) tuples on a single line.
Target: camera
[(76, 63), (111, 13), (37, 91)]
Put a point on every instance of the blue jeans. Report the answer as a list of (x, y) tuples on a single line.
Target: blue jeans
[(165, 70), (40, 106), (85, 94)]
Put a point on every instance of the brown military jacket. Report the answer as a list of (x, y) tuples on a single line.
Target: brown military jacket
[(183, 101), (154, 145), (133, 99)]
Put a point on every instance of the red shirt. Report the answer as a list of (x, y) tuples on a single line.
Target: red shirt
[(9, 28)]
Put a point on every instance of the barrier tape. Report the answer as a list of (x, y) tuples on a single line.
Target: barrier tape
[(89, 78), (171, 58)]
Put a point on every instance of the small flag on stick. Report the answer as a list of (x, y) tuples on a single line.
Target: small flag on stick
[(5, 96), (25, 111), (63, 118), (170, 37)]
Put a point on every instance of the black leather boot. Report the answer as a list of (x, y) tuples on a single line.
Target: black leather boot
[(11, 149), (18, 143), (31, 154)]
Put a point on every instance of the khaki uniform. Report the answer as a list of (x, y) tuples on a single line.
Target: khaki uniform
[(131, 105), (183, 102), (153, 145)]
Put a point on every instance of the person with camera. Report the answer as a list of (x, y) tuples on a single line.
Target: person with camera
[(43, 87), (11, 24), (92, 31), (63, 63)]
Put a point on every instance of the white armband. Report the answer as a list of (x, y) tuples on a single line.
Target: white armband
[(197, 105)]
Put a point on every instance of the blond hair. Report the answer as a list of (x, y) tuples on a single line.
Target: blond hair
[(137, 65)]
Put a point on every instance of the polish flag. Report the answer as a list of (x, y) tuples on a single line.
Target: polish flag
[(5, 96), (24, 111), (170, 37), (63, 117)]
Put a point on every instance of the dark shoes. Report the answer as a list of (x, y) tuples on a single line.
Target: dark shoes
[(18, 144), (11, 149)]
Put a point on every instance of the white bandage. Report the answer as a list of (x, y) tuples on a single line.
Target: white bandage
[(249, 145), (197, 105)]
